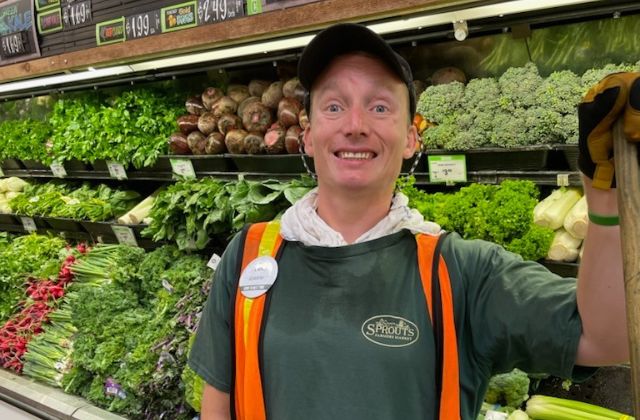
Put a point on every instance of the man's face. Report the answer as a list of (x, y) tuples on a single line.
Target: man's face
[(360, 129)]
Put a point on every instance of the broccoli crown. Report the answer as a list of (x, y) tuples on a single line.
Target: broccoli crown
[(438, 102), (518, 86), (518, 109), (509, 129), (591, 77), (510, 389), (560, 92), (481, 95)]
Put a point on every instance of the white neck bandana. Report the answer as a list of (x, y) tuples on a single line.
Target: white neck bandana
[(301, 223)]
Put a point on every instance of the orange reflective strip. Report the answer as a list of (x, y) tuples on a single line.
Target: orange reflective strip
[(251, 245), (450, 399), (426, 249), (450, 396), (261, 239)]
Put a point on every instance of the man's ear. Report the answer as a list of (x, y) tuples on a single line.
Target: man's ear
[(307, 140), (412, 141)]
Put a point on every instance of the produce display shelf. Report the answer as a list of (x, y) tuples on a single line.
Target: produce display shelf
[(46, 402), (75, 229), (549, 178), (563, 269), (489, 176), (528, 158)]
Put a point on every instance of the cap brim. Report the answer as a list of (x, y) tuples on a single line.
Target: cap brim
[(341, 39)]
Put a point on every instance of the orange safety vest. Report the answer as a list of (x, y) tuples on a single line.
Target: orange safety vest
[(260, 239)]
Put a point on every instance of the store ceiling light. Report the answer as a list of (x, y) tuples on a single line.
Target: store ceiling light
[(460, 30), (63, 79)]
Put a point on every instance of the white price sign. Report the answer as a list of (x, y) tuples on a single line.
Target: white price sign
[(116, 170), (214, 261), (495, 415), (125, 235), (562, 180), (447, 168), (58, 170), (28, 224), (183, 168)]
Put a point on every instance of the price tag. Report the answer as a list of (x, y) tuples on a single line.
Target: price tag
[(495, 415), (116, 170), (143, 24), (110, 32), (28, 224), (1, 172), (18, 34), (76, 14), (212, 11), (50, 22), (46, 4), (168, 287), (562, 180), (15, 44), (180, 16), (183, 168), (447, 168), (214, 261), (254, 7), (125, 235), (58, 170)]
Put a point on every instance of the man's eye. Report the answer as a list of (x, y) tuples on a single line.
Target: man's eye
[(333, 108), (380, 108)]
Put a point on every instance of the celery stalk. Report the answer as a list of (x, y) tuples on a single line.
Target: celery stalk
[(542, 407)]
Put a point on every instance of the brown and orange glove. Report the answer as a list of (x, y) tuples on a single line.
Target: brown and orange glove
[(615, 96)]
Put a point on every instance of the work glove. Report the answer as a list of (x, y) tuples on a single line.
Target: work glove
[(615, 96)]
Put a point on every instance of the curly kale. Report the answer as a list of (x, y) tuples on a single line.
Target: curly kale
[(502, 214), (438, 102), (508, 389), (518, 86), (467, 211), (511, 210), (532, 244)]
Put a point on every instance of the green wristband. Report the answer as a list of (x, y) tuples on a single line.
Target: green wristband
[(604, 220)]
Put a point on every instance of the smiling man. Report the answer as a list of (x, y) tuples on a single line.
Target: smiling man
[(355, 307)]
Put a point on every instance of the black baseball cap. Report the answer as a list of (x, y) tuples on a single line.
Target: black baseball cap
[(343, 38)]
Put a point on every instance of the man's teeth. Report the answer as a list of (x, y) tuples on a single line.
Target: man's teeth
[(355, 155)]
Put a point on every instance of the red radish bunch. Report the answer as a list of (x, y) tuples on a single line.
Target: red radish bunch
[(21, 327), (17, 331)]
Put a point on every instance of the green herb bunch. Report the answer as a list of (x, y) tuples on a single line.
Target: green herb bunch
[(24, 139), (190, 212), (61, 199), (29, 255), (131, 127)]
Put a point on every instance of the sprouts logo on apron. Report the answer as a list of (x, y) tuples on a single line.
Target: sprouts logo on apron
[(390, 331)]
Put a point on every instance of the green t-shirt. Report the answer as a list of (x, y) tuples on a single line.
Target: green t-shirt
[(348, 334)]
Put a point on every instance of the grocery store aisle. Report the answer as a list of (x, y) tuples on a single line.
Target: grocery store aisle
[(9, 412)]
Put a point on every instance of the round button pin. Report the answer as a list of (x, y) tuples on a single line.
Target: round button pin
[(258, 276)]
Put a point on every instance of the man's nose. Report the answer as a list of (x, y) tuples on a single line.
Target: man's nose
[(357, 124)]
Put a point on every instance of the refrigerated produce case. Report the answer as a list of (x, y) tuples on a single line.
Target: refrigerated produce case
[(555, 35)]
